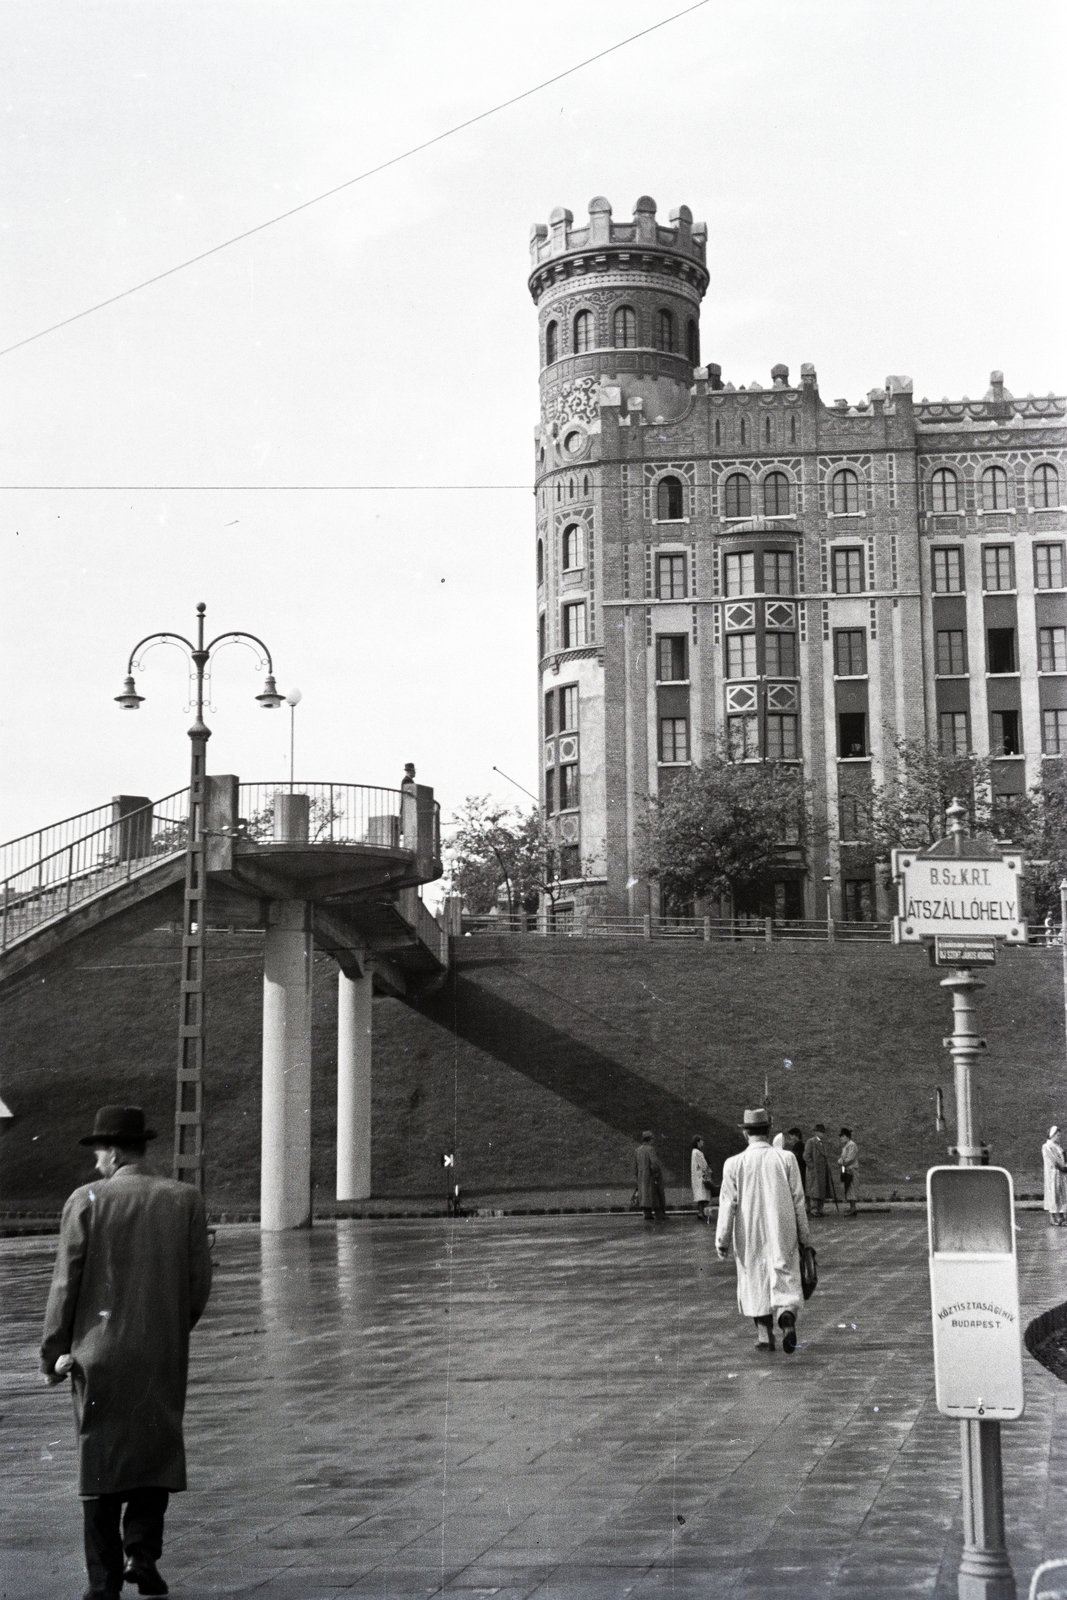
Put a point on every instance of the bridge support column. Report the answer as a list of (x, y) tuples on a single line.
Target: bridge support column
[(354, 1083), (285, 1169)]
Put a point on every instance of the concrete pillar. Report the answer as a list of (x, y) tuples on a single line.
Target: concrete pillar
[(285, 1168), (353, 1084)]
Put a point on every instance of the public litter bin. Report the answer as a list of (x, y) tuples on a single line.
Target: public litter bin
[(974, 1292)]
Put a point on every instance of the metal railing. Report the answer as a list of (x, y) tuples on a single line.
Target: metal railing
[(51, 885), (340, 813), (590, 925), (18, 854)]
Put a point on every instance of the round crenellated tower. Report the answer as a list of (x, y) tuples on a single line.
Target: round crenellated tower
[(621, 301)]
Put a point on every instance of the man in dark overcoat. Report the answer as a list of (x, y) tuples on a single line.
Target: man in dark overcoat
[(132, 1277), (649, 1176)]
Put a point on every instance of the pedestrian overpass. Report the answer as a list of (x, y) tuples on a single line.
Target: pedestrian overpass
[(334, 867)]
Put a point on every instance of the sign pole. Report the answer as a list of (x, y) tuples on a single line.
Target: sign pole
[(985, 1570)]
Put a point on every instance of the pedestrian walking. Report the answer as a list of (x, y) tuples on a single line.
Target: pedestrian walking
[(649, 1174), (820, 1183), (1055, 1165), (131, 1279), (700, 1179), (762, 1216), (849, 1161), (794, 1142)]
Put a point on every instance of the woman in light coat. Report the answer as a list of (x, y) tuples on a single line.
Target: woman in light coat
[(1055, 1164), (700, 1179)]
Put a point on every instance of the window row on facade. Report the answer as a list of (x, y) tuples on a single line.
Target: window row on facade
[(945, 489), (951, 651), (1005, 732), (998, 568), (663, 333)]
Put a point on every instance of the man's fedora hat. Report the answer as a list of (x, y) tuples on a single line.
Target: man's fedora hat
[(118, 1125), (756, 1120)]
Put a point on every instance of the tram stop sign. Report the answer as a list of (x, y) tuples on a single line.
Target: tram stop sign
[(974, 1293), (958, 887)]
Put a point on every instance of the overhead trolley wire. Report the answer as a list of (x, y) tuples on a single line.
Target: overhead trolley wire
[(361, 177)]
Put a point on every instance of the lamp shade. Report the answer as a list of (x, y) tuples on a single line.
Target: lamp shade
[(270, 699), (129, 699)]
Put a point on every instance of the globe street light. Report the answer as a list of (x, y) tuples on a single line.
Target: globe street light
[(189, 1110)]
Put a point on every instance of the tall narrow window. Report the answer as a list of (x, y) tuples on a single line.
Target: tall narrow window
[(574, 625), (550, 712), (1000, 650), (850, 652), (583, 332), (542, 636), (1048, 566), (743, 737), (1054, 732), (776, 495), (766, 430), (996, 567), (848, 571), (568, 787), (1046, 487), (792, 430), (718, 433), (948, 570), (944, 490), (859, 900), (744, 433), (672, 665), (1052, 649), (674, 739), (572, 547), (738, 501), (781, 650), (781, 737), (568, 708), (741, 573), (951, 657), (540, 561), (953, 730), (550, 791), (664, 330), (670, 577), (846, 493), (778, 572), (1004, 737), (551, 343), (740, 655), (692, 343), (669, 505), (625, 328), (994, 489)]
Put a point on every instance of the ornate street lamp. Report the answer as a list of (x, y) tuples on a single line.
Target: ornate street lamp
[(189, 1109)]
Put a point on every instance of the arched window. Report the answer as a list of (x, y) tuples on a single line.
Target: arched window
[(572, 489), (846, 492), (625, 328), (669, 500), (692, 343), (583, 332), (572, 547), (1046, 487), (551, 343), (664, 330), (944, 490), (587, 486), (540, 561), (738, 501), (776, 495), (994, 489)]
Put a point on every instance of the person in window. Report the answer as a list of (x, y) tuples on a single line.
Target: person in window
[(849, 1161), (762, 1215), (1055, 1165), (651, 1198), (700, 1179), (820, 1183)]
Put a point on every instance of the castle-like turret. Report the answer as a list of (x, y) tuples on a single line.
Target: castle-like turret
[(620, 301)]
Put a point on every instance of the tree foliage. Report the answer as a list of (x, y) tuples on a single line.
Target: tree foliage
[(1043, 839), (721, 826), (907, 811), (497, 855)]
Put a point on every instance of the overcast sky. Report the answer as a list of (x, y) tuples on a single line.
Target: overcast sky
[(883, 188)]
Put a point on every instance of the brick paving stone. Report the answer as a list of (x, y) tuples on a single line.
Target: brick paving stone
[(562, 1408)]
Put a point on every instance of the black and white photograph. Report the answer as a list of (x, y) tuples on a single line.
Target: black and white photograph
[(533, 903)]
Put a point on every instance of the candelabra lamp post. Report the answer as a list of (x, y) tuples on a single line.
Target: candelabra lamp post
[(189, 1106)]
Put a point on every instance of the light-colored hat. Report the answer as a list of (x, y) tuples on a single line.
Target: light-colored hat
[(756, 1121), (1053, 1131)]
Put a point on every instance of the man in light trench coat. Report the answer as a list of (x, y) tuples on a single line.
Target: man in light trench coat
[(132, 1276), (762, 1214)]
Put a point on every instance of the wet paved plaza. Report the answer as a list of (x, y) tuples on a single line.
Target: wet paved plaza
[(568, 1408)]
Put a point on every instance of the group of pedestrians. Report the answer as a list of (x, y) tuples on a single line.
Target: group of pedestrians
[(813, 1160)]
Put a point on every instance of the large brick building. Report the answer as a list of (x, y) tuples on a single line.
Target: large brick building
[(746, 566)]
